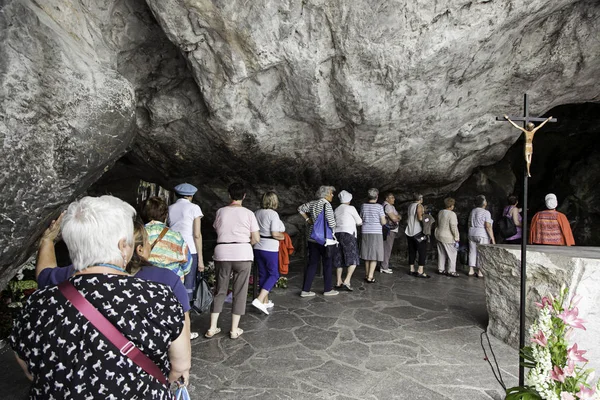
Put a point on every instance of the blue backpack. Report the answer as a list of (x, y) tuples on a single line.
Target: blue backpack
[(321, 230)]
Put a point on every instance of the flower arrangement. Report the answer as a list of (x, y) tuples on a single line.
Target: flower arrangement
[(553, 372), (282, 283)]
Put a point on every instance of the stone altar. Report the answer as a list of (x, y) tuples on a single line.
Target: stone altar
[(548, 268)]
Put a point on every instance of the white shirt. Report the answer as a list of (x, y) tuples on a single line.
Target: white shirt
[(413, 224), (182, 214), (346, 219), (268, 221)]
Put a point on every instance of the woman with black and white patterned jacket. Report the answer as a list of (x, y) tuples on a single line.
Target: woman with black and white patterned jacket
[(63, 353)]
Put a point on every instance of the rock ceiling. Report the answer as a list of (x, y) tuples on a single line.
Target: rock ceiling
[(399, 93)]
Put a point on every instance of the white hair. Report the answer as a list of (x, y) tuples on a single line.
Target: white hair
[(92, 228), (373, 193), (324, 191)]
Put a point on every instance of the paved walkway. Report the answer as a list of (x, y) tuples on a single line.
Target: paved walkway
[(399, 338)]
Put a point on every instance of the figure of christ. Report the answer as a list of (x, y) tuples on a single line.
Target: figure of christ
[(529, 130)]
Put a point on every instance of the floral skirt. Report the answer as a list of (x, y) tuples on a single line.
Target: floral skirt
[(346, 253)]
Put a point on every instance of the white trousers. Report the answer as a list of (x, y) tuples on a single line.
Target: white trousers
[(473, 242), (447, 251)]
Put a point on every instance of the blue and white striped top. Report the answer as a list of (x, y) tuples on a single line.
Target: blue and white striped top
[(371, 214)]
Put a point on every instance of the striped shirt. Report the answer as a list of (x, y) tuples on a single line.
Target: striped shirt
[(171, 252), (371, 214), (477, 219), (314, 208)]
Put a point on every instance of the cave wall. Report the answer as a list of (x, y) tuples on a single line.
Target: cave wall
[(283, 95), (65, 116)]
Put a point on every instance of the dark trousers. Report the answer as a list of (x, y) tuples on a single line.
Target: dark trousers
[(413, 248), (190, 279), (316, 252)]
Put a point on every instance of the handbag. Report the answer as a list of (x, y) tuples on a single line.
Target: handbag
[(106, 328), (421, 236), (321, 230), (385, 230), (203, 297), (182, 393), (506, 226)]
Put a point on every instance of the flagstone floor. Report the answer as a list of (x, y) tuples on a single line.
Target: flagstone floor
[(399, 338)]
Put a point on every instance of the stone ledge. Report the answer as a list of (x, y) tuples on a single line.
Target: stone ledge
[(548, 268)]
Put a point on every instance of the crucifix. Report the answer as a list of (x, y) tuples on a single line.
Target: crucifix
[(529, 130)]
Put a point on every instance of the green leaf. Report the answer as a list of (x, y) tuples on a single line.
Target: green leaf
[(522, 393)]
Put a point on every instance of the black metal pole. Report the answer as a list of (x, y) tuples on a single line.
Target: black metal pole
[(524, 238)]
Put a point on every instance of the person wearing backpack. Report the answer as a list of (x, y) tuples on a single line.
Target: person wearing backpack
[(513, 212)]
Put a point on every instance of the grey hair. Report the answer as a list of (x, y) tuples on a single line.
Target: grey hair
[(93, 227), (372, 193), (417, 196), (324, 191), (479, 200)]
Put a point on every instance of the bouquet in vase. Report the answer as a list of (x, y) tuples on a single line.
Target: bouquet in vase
[(556, 368)]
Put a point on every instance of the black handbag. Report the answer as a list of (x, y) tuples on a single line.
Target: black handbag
[(203, 297)]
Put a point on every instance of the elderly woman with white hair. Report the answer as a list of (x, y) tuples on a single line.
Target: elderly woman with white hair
[(371, 246), (551, 227), (346, 256), (480, 232), (310, 212), (66, 353)]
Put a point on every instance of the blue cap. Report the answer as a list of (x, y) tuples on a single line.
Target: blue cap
[(185, 189)]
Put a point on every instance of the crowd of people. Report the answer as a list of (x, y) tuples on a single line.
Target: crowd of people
[(116, 321)]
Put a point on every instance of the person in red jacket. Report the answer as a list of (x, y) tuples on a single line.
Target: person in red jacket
[(550, 226)]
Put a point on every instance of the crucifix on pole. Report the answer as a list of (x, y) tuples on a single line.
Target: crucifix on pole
[(529, 130)]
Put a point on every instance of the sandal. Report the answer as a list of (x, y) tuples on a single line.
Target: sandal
[(412, 273), (440, 272), (423, 275), (471, 275), (210, 333), (453, 274), (236, 334), (370, 280)]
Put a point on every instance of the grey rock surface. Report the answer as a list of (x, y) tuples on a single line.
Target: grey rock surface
[(65, 115), (280, 94), (548, 268), (401, 93)]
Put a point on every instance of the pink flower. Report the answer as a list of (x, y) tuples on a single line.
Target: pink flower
[(574, 301), (570, 368), (573, 353), (557, 374), (545, 302), (571, 318), (585, 393), (540, 339), (566, 396)]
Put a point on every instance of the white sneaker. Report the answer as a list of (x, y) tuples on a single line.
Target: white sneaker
[(331, 293), (194, 335), (262, 307), (270, 304), (386, 271), (306, 294)]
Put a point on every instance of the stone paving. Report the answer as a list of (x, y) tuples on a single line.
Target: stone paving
[(399, 338)]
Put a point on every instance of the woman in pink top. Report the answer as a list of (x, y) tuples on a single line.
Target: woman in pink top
[(237, 232)]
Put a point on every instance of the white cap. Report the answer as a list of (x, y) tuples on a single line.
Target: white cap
[(551, 201), (344, 197)]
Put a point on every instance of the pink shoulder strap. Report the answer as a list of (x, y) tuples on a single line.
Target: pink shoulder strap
[(125, 346)]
